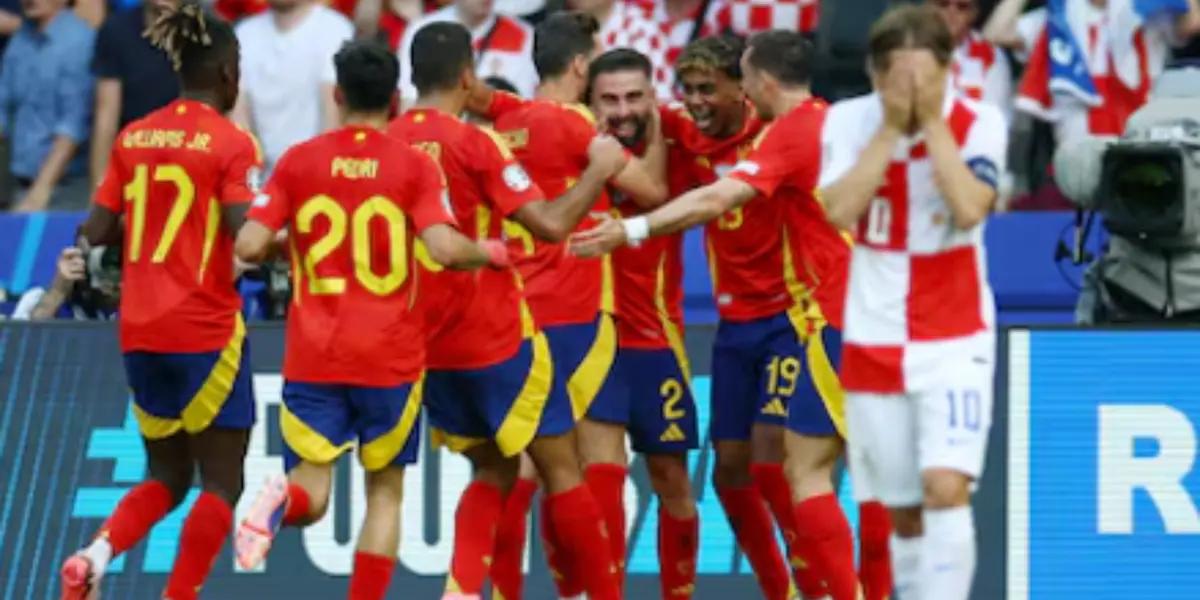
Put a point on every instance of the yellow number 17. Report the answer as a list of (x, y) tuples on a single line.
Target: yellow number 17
[(137, 192)]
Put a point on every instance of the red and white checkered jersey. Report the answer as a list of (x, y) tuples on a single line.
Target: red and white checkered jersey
[(746, 17), (678, 32), (918, 289), (981, 72), (631, 25)]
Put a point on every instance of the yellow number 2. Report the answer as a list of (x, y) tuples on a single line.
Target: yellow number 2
[(672, 393), (137, 193), (360, 248)]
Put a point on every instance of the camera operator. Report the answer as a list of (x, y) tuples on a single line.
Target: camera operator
[(79, 291)]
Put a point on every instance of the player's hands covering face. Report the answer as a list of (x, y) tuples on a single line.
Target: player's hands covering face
[(606, 236), (898, 93), (929, 86)]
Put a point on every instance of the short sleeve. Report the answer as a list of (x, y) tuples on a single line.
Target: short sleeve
[(243, 169), (108, 193), (771, 162), (986, 145), (430, 202), (838, 151), (273, 207), (502, 104), (505, 181), (106, 59)]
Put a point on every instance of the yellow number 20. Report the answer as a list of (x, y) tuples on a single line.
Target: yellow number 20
[(360, 246), (137, 193)]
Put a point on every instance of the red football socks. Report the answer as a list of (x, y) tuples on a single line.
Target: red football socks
[(578, 528), (824, 538), (559, 556), (371, 576), (298, 505), (773, 485), (875, 565), (607, 482), (143, 506), (507, 578), (678, 543), (204, 532), (755, 533), (475, 523)]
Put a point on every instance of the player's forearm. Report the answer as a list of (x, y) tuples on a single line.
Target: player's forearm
[(700, 205), (968, 198), (847, 198), (52, 169), (465, 255), (1001, 26), (560, 217), (47, 306), (653, 164)]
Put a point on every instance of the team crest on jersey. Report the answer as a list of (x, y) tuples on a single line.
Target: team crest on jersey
[(516, 178)]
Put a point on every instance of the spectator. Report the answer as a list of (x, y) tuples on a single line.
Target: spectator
[(747, 17), (236, 10), (10, 20), (133, 78), (45, 89), (287, 73), (980, 69), (503, 45), (74, 294), (626, 24), (1121, 48), (682, 21)]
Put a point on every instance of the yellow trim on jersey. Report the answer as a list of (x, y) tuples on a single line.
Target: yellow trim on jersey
[(589, 376), (297, 277), (381, 451), (501, 144), (825, 380), (155, 428), (607, 301), (712, 261), (581, 110), (674, 337), (308, 443), (258, 151), (521, 423), (210, 236), (483, 222), (214, 392)]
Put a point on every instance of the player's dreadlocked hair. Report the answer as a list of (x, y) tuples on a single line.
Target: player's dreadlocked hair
[(197, 42), (721, 53)]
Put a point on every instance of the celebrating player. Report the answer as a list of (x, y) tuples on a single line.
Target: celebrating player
[(782, 169), (490, 391), (180, 180), (913, 169), (657, 407), (571, 298), (353, 200)]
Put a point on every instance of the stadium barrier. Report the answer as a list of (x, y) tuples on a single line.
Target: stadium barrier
[(69, 448)]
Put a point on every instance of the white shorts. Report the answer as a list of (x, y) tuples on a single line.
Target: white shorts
[(893, 438)]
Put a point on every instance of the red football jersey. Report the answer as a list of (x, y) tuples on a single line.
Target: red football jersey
[(744, 245), (472, 319), (785, 165), (169, 174), (353, 200), (551, 140), (648, 285)]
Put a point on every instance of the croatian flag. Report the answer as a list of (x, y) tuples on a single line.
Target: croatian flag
[(1058, 64)]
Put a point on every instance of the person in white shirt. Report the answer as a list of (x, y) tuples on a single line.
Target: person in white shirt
[(503, 46), (980, 69), (913, 169), (287, 74)]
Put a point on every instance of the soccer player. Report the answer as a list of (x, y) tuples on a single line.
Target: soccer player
[(490, 390), (353, 200), (571, 298), (176, 189), (913, 168), (657, 407), (782, 169)]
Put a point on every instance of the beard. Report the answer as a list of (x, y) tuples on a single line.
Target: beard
[(630, 131)]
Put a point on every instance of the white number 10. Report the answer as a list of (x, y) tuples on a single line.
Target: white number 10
[(879, 221)]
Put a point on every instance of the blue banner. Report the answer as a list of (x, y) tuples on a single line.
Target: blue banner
[(1103, 486)]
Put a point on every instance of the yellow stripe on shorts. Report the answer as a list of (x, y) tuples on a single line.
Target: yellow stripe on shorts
[(308, 443), (585, 383), (521, 423), (155, 428), (214, 392), (825, 380), (381, 451)]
